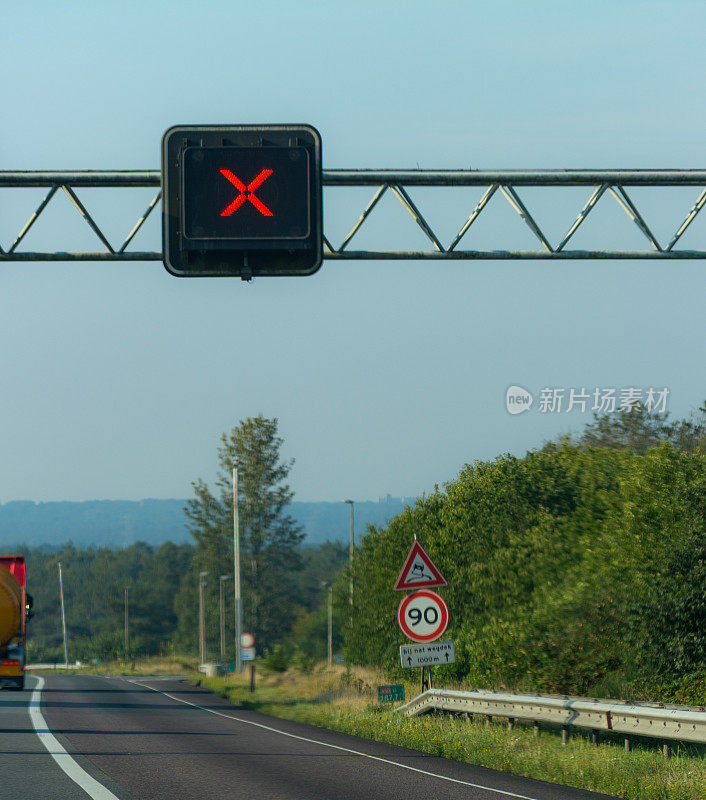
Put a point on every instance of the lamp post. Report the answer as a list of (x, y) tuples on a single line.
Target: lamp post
[(350, 555), (202, 621), (63, 617), (127, 628), (236, 572), (223, 619), (327, 585)]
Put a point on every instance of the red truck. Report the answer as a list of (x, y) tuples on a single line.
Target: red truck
[(15, 610)]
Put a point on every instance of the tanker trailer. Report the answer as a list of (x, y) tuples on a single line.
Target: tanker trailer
[(15, 610)]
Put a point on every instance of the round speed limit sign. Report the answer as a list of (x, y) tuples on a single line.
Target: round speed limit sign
[(423, 616)]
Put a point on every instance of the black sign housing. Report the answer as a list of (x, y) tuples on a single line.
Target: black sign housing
[(242, 200)]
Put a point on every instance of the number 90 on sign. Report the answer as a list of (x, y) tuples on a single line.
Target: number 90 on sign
[(423, 616)]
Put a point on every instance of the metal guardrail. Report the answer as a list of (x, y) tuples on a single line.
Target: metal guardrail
[(501, 186), (669, 723)]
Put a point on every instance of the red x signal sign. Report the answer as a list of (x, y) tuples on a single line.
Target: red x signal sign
[(242, 200), (247, 193)]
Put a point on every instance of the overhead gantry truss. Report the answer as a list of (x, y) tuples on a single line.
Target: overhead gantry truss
[(401, 184)]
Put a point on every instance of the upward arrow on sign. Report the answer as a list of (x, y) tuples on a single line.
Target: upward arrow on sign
[(418, 571)]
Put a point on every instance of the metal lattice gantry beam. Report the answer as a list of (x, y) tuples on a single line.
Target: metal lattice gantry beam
[(400, 184)]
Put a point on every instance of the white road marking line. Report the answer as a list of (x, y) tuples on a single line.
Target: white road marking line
[(335, 746), (78, 775)]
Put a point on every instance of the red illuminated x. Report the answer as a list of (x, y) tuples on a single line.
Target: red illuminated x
[(247, 192)]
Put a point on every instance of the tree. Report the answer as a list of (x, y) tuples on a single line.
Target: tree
[(690, 434), (638, 429), (269, 537), (94, 591)]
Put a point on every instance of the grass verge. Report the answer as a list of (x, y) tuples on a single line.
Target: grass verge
[(346, 701), (153, 665)]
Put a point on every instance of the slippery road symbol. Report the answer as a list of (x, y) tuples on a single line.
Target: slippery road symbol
[(417, 573)]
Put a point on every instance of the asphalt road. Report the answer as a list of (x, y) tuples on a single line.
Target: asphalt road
[(162, 739)]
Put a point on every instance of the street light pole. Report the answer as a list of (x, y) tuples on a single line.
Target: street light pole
[(350, 555), (223, 618), (127, 629), (329, 607), (63, 617), (330, 625), (202, 621), (236, 572)]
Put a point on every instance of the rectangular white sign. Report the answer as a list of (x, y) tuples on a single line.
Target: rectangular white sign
[(427, 655)]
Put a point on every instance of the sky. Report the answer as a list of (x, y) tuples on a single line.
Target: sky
[(116, 380)]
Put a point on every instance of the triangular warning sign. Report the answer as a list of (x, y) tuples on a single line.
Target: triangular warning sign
[(418, 571)]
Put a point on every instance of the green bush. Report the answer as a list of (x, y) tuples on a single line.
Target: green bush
[(302, 662), (564, 567), (277, 659)]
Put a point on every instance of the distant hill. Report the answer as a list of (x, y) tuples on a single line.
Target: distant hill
[(119, 523), (322, 521)]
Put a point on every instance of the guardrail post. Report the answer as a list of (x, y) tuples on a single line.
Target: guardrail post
[(628, 744), (535, 728), (564, 734), (488, 720), (510, 723), (666, 750), (594, 737)]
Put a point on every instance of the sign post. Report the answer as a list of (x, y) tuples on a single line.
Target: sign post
[(423, 615)]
